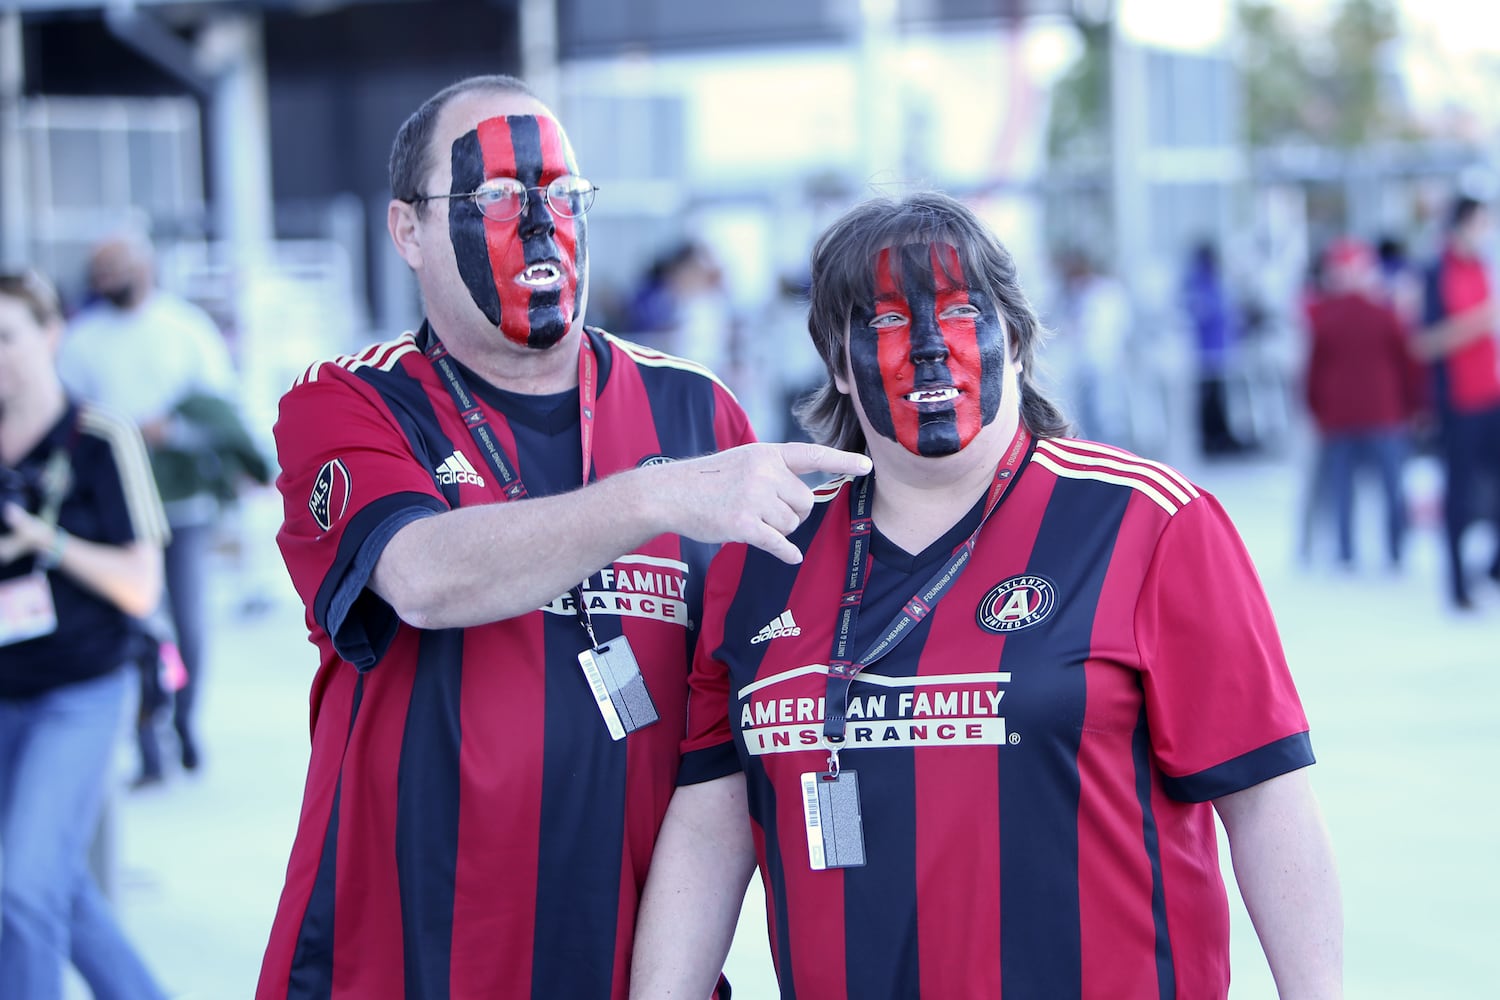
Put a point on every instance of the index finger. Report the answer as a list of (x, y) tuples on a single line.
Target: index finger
[(802, 457)]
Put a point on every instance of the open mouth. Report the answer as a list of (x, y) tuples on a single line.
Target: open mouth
[(942, 394), (539, 275)]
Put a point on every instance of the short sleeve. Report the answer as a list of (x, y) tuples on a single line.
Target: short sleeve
[(708, 751), (349, 481), (114, 471), (1221, 706)]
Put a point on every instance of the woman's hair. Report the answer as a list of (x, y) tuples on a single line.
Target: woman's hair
[(843, 276), (36, 292)]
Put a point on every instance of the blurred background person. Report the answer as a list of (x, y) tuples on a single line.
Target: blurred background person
[(1459, 340), (1399, 282), (681, 305), (1212, 316), (1361, 386), (1088, 353), (80, 556), (160, 360), (1314, 502)]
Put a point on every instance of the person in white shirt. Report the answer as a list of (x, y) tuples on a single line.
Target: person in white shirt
[(141, 351)]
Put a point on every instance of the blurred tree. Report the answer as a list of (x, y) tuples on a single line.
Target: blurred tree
[(1078, 121), (1329, 87), (1278, 81)]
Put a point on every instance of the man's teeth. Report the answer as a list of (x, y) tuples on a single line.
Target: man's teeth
[(539, 274), (932, 395)]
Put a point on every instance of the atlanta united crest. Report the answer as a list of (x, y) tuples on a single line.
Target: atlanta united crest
[(1016, 603)]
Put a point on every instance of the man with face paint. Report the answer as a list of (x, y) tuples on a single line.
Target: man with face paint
[(976, 739), (499, 524)]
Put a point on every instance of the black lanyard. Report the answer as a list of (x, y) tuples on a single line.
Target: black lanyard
[(477, 421), (841, 669)]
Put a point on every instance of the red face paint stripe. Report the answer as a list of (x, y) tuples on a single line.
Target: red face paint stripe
[(897, 374), (507, 255), (961, 336), (556, 151)]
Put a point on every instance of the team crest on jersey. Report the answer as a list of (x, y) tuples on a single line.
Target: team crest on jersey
[(1016, 603), (330, 493), (654, 460)]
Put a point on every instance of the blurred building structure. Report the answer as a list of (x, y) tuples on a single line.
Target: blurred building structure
[(251, 136)]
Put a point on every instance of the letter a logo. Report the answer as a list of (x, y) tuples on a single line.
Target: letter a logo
[(1016, 603)]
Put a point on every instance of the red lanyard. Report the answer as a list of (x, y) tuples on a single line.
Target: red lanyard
[(478, 423), (841, 669)]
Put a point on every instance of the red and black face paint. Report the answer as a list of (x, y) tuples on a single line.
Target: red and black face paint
[(927, 356), (526, 274)]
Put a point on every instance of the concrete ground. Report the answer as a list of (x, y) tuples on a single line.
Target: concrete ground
[(1402, 694)]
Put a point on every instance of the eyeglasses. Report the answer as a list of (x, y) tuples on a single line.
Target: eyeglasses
[(504, 198)]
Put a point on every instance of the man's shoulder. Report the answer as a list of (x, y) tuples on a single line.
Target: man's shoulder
[(386, 358)]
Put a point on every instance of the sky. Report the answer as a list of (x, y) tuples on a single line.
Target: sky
[(1461, 25)]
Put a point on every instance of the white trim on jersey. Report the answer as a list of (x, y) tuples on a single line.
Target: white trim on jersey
[(1119, 462), (142, 501), (656, 359), (382, 357), (825, 492), (1133, 481), (1163, 473)]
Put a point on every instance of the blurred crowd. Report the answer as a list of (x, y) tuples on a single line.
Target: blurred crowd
[(1396, 364)]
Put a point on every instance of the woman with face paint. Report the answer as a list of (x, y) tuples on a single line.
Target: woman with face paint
[(499, 524), (976, 740)]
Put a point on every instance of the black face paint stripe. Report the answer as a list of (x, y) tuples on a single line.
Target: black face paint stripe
[(466, 228), (864, 357), (937, 431)]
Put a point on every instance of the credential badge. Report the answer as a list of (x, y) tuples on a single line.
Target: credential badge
[(1016, 603)]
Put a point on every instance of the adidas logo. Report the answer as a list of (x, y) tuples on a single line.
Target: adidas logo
[(782, 624), (456, 469)]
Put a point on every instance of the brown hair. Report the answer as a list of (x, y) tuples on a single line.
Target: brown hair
[(842, 276), (36, 292)]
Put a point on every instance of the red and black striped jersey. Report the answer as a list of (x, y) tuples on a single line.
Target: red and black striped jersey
[(1035, 759), (469, 828)]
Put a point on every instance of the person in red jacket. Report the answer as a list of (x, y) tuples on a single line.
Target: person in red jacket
[(1361, 389)]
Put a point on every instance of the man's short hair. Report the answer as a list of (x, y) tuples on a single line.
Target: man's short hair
[(843, 276), (411, 155)]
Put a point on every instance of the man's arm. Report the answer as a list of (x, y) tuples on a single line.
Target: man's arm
[(703, 861), (481, 564), (1448, 335), (1284, 865)]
